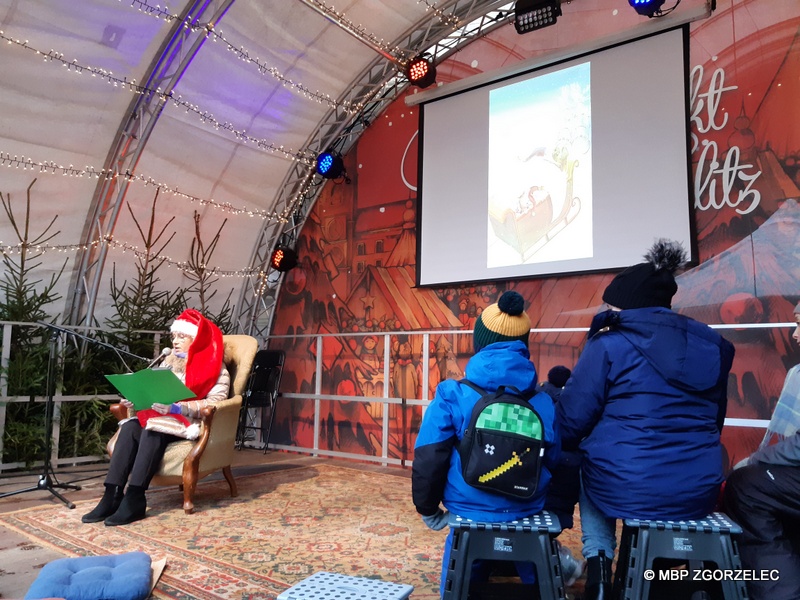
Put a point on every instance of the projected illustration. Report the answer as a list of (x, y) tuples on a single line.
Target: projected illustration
[(540, 170)]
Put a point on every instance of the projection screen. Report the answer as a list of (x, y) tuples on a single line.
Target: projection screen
[(573, 167)]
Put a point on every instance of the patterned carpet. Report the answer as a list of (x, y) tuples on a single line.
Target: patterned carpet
[(284, 526)]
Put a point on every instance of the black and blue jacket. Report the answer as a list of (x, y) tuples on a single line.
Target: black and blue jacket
[(436, 473)]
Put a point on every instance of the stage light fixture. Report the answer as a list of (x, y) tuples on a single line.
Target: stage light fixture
[(330, 165), (530, 15), (647, 8), (421, 71), (283, 258)]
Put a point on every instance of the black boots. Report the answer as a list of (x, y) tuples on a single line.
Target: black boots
[(132, 508), (598, 578), (115, 508), (107, 506)]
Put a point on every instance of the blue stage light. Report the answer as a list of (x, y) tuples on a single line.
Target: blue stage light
[(330, 165), (647, 8)]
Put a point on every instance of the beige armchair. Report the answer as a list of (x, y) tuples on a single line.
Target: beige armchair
[(188, 461)]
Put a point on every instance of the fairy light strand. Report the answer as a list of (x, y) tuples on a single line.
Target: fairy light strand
[(9, 250), (52, 168), (447, 19), (331, 13), (245, 56), (352, 108), (305, 157)]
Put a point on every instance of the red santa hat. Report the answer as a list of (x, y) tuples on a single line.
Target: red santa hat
[(204, 359), (187, 323)]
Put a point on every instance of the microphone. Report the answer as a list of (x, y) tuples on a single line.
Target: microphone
[(164, 354)]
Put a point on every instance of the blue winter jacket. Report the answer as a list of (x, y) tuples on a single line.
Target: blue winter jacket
[(436, 473), (646, 403)]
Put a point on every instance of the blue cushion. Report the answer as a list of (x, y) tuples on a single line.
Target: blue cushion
[(114, 577)]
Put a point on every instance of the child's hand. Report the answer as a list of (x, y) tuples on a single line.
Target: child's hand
[(437, 521)]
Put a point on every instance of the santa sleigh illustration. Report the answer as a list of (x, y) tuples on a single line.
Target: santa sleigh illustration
[(544, 207)]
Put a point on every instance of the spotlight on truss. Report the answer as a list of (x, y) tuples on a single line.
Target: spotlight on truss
[(421, 71), (530, 15), (283, 258), (647, 8), (330, 165)]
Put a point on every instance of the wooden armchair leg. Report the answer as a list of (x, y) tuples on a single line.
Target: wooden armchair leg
[(189, 485), (188, 500), (229, 477)]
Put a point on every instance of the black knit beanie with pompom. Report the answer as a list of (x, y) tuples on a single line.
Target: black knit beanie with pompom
[(651, 283)]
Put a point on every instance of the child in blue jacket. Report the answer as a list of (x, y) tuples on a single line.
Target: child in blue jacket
[(501, 357)]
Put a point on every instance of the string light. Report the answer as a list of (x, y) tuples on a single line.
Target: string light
[(8, 250), (52, 168), (243, 55), (447, 19), (305, 157), (331, 13)]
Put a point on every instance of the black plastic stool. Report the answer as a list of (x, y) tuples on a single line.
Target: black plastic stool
[(697, 542), (524, 540)]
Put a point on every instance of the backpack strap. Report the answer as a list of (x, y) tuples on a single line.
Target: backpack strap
[(499, 390), (474, 386), (481, 393)]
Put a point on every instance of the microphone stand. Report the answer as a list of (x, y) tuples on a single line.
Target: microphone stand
[(97, 342), (47, 477)]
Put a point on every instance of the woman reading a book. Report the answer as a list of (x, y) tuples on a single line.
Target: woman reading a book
[(196, 359)]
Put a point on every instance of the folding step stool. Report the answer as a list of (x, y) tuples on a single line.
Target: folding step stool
[(698, 542), (524, 540), (333, 586)]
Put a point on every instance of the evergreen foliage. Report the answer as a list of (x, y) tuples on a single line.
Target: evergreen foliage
[(139, 304)]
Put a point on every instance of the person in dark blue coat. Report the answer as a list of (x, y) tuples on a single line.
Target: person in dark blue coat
[(562, 495), (556, 380), (565, 484), (645, 404), (501, 357)]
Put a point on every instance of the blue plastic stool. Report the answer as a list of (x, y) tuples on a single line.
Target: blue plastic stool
[(698, 542), (524, 540), (333, 586)]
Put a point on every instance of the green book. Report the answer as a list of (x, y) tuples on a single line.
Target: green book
[(150, 386)]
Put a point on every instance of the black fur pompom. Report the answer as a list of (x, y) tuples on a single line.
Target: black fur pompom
[(666, 254)]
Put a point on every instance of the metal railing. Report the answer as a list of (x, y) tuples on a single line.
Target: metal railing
[(393, 427)]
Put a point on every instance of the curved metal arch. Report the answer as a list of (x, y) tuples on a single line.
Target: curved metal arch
[(167, 68), (374, 89)]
